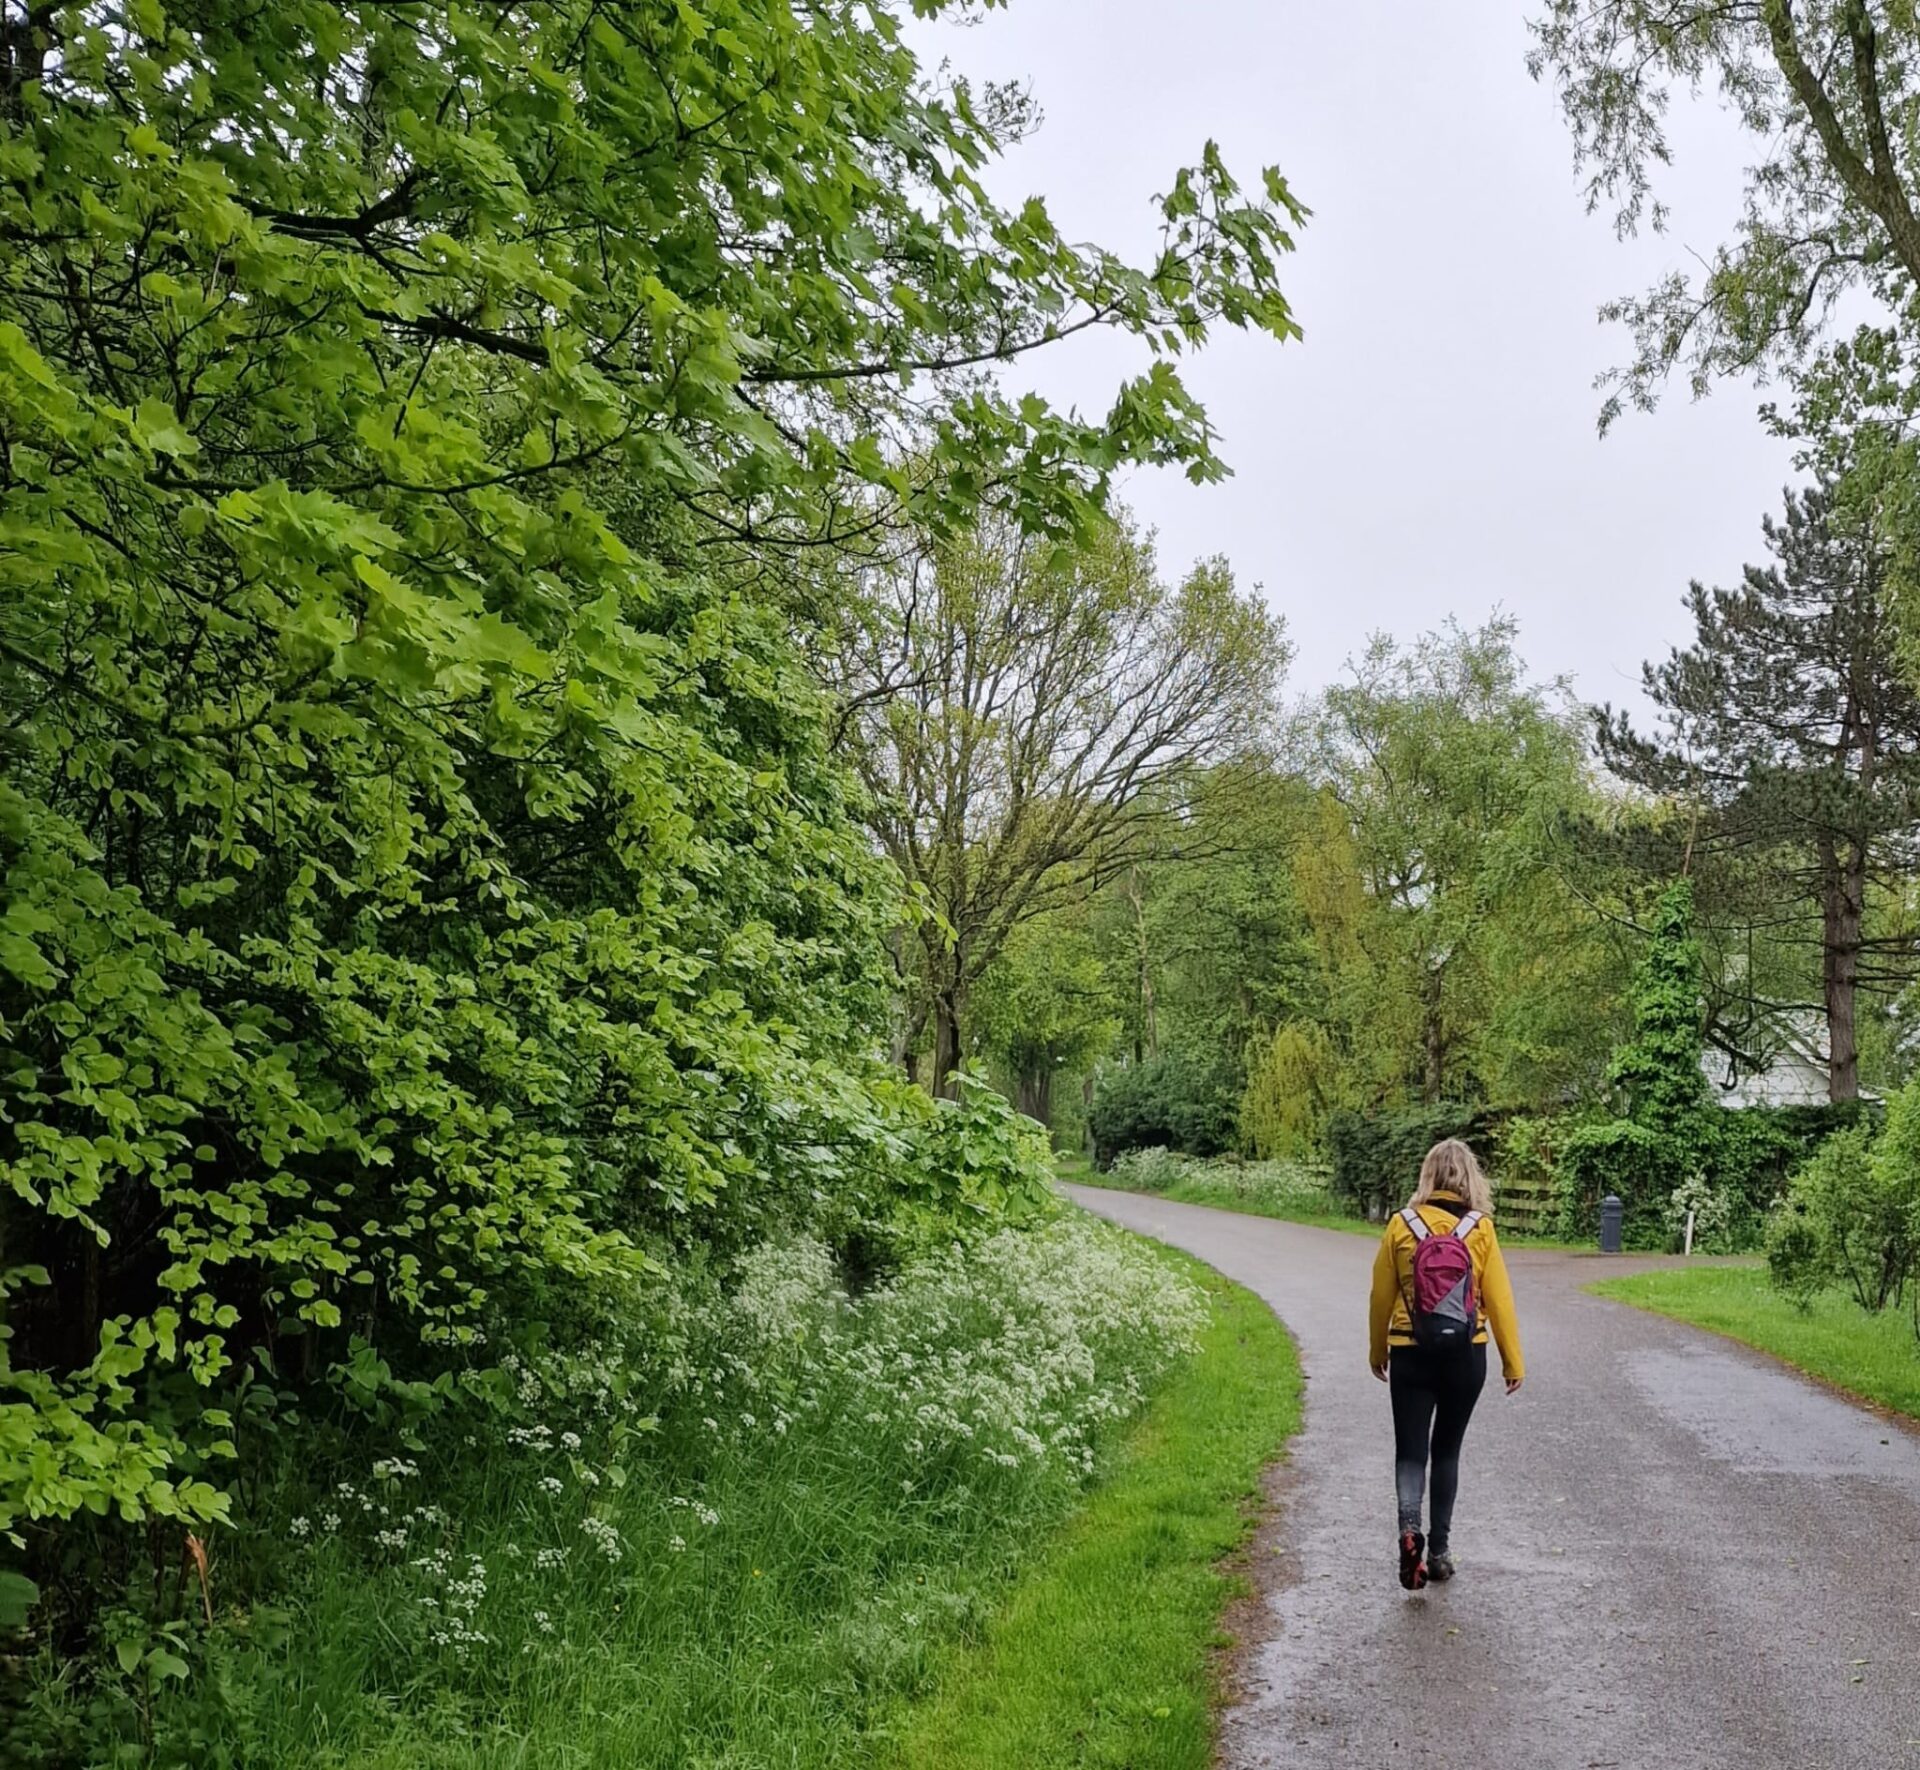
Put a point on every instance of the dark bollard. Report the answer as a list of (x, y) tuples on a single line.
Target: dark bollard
[(1611, 1210)]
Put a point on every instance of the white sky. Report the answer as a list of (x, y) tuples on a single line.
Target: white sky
[(1430, 447)]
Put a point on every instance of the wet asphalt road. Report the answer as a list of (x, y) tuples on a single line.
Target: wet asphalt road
[(1674, 1554)]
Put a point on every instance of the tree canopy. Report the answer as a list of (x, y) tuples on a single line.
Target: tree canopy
[(1025, 717), (1828, 85), (429, 885), (1794, 734)]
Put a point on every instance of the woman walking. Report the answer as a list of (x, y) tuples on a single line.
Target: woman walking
[(1439, 1285)]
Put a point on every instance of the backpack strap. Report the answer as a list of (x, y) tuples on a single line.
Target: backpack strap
[(1416, 1223), (1468, 1224)]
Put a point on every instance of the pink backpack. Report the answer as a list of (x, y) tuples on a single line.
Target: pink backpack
[(1444, 1308)]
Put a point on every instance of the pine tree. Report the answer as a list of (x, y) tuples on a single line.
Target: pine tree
[(1792, 734)]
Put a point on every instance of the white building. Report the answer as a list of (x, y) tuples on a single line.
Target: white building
[(1795, 1075)]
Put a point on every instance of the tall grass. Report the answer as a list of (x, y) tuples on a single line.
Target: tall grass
[(735, 1551)]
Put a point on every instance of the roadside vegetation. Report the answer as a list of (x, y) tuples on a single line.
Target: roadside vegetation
[(1287, 1190), (1106, 1652), (588, 778), (476, 1286), (1840, 1293), (741, 1526)]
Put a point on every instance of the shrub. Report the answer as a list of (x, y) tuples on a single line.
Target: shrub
[(1260, 1186), (1745, 1155), (1275, 1189), (1716, 1217), (1176, 1101), (757, 1469), (1149, 1170), (1376, 1156), (1526, 1159), (1752, 1152), (1860, 1202), (1796, 1257), (1637, 1165)]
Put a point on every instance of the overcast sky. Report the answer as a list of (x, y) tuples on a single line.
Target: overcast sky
[(1429, 448)]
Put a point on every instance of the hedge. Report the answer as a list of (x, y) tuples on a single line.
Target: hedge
[(1376, 1156), (1169, 1102)]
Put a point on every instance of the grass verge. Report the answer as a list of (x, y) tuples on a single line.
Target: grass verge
[(1871, 1356), (743, 1525), (1103, 1652), (1224, 1196), (1226, 1189)]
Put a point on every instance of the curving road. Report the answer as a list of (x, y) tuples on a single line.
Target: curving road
[(1675, 1554)]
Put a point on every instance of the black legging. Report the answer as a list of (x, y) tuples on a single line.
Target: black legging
[(1433, 1396)]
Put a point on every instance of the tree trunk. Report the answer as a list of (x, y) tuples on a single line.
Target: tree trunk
[(946, 1041), (909, 1018), (909, 1021), (1842, 909), (1033, 1095), (1434, 1037), (1146, 1035)]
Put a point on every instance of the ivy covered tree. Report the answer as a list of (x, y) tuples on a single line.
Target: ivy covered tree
[(1665, 1134), (1792, 734), (429, 889), (1657, 1072)]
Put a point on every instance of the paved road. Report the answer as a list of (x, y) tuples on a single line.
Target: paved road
[(1675, 1554)]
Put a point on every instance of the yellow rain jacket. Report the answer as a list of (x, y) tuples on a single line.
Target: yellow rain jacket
[(1389, 1322)]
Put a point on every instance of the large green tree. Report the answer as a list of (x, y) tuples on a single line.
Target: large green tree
[(1792, 732), (427, 882), (1456, 957), (1828, 86), (1028, 717), (1044, 1009)]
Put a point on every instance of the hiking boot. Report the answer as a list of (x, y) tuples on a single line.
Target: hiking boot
[(1440, 1565), (1413, 1569)]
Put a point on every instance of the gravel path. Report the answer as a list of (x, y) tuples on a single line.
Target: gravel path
[(1675, 1554)]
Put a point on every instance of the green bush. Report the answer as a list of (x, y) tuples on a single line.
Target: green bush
[(734, 1527), (1715, 1213), (1859, 1201), (1797, 1260), (1178, 1102), (1634, 1163), (1752, 1152), (1262, 1188), (1153, 1169), (1745, 1157), (1526, 1159), (1375, 1156)]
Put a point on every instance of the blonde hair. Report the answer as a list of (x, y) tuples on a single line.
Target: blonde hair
[(1452, 1167)]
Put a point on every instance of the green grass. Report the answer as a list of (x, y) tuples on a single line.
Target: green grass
[(1077, 1166), (775, 1573), (1873, 1356), (1316, 1209), (1226, 1187), (1102, 1654)]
